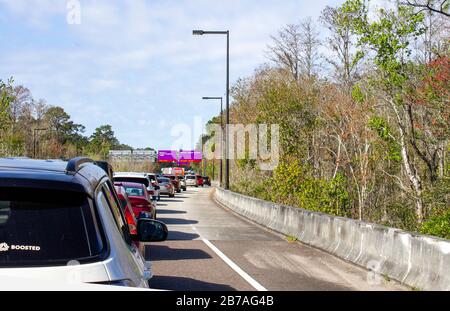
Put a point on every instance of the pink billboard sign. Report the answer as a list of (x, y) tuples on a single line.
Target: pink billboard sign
[(181, 157), (167, 156)]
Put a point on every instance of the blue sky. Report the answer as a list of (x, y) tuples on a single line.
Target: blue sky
[(134, 64)]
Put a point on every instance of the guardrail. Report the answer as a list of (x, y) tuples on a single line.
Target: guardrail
[(419, 261)]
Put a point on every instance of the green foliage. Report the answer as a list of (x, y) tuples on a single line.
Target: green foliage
[(389, 37), (5, 101), (357, 94), (384, 131), (103, 140), (294, 185), (291, 239), (438, 225)]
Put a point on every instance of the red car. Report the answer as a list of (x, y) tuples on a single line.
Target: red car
[(139, 199), (200, 181), (127, 208)]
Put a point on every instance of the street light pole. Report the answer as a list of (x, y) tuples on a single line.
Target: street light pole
[(227, 145), (221, 137)]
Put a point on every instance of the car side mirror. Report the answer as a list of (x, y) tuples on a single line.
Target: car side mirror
[(149, 230), (157, 187)]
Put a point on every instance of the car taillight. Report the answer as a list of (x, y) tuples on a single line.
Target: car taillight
[(151, 192)]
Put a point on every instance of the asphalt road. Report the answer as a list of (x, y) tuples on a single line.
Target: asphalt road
[(210, 248)]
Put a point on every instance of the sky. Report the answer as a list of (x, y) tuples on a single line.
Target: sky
[(135, 64)]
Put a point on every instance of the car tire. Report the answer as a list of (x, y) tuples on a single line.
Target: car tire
[(171, 195), (159, 197)]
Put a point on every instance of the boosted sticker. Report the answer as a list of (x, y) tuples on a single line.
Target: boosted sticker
[(5, 247)]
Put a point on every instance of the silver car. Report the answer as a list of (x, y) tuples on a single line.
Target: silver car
[(182, 180), (62, 222), (191, 180), (166, 186)]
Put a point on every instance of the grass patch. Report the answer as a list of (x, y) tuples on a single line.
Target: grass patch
[(291, 239)]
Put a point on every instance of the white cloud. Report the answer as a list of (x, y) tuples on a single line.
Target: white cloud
[(138, 57)]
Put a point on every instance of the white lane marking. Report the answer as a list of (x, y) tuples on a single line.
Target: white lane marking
[(235, 267)]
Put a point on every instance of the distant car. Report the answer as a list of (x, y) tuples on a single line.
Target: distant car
[(154, 181), (68, 219), (176, 183), (206, 181), (141, 178), (139, 198), (166, 186), (191, 180), (182, 180), (200, 181)]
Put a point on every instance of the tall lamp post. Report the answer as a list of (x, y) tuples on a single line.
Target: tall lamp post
[(227, 161), (221, 137), (34, 140)]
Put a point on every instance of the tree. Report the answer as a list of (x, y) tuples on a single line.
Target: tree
[(341, 42), (6, 98), (435, 6), (61, 126), (103, 140), (286, 49), (428, 104), (389, 38), (310, 47), (295, 49)]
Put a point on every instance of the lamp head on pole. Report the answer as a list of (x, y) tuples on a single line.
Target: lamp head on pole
[(198, 32)]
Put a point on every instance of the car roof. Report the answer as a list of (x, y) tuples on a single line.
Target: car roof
[(130, 174), (78, 174)]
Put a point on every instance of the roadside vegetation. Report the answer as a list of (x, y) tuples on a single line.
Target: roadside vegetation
[(32, 128), (363, 114)]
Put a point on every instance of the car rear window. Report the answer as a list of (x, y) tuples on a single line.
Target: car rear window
[(163, 180), (133, 191), (190, 177), (136, 180), (46, 228)]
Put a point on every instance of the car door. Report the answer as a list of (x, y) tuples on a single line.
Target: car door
[(131, 252)]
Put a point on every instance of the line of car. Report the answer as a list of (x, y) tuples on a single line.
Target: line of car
[(78, 221)]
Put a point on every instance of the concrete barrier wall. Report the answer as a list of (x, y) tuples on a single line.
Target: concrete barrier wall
[(416, 260)]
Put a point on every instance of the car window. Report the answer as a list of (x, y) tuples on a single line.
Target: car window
[(134, 191), (117, 212), (137, 180), (47, 227), (190, 177), (163, 180), (123, 203)]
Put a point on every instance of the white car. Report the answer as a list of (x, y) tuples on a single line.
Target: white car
[(191, 180), (182, 180), (140, 178), (155, 183), (62, 222)]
